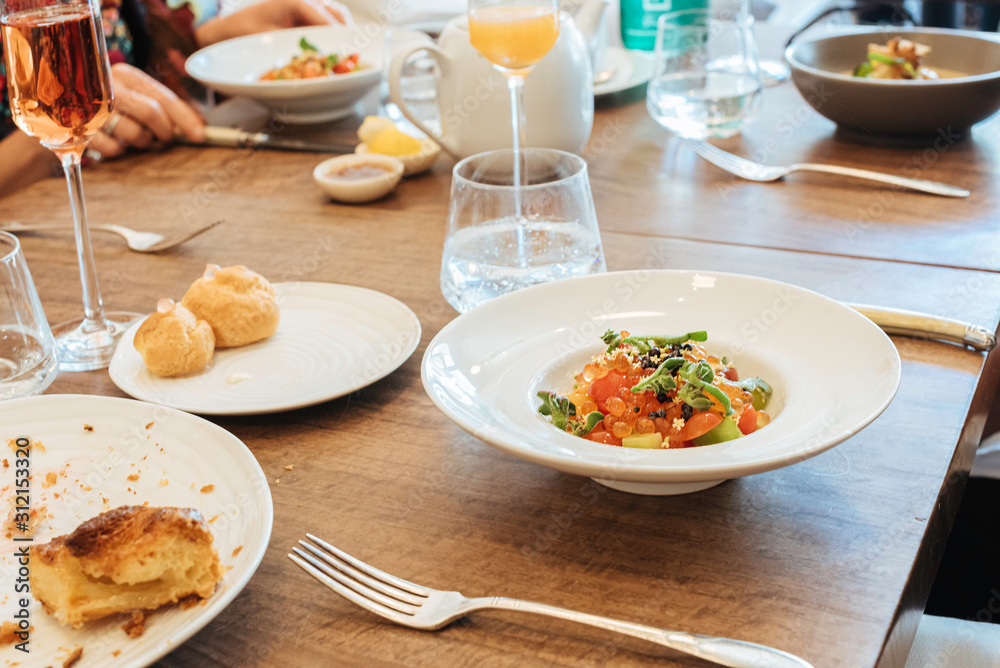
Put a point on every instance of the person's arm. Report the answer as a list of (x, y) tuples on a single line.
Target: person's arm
[(272, 15), (23, 161)]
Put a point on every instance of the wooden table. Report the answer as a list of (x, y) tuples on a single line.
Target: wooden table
[(830, 559)]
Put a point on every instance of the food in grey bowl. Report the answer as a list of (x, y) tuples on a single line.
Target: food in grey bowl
[(822, 71)]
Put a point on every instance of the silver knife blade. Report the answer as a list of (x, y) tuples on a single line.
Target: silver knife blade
[(913, 323), (236, 138)]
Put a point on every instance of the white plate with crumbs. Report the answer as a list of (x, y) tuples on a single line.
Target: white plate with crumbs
[(332, 340), (98, 453)]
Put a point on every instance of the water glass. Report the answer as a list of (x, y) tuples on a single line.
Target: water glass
[(490, 250), (28, 362), (706, 79)]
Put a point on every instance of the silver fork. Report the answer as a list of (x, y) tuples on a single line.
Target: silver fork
[(429, 609), (142, 242), (754, 171)]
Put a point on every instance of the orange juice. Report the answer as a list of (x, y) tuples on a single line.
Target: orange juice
[(513, 37)]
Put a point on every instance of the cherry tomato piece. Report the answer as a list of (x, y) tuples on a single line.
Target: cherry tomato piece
[(606, 387), (601, 436), (748, 421), (698, 424)]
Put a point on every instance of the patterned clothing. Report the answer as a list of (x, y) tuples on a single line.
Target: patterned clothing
[(128, 26)]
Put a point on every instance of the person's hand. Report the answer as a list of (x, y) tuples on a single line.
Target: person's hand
[(272, 15), (145, 112)]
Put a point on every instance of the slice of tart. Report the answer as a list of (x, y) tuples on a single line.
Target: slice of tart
[(129, 558)]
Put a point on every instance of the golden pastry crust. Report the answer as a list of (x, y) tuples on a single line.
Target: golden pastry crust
[(129, 558), (239, 304), (174, 342)]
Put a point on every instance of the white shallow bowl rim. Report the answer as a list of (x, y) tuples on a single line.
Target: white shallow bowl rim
[(230, 79)]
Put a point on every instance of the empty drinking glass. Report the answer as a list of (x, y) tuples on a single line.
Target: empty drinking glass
[(490, 250), (706, 79), (28, 361)]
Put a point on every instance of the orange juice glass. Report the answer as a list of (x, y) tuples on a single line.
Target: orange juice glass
[(513, 37)]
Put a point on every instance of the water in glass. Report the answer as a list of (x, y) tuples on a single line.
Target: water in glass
[(492, 249), (487, 261), (706, 79)]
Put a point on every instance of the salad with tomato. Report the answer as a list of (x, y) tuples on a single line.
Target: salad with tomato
[(311, 63), (659, 392)]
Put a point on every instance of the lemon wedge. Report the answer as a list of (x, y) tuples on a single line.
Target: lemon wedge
[(383, 137)]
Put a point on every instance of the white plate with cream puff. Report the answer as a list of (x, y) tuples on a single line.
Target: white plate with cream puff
[(236, 345)]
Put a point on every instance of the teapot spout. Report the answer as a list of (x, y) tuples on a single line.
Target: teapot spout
[(589, 17)]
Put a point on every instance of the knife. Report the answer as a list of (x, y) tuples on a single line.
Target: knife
[(236, 138), (912, 323)]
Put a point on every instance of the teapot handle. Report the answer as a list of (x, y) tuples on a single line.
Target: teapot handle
[(396, 93)]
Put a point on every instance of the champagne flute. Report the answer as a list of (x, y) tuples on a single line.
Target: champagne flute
[(514, 35), (60, 93)]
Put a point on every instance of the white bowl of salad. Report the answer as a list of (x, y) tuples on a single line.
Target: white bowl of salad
[(304, 75), (662, 382)]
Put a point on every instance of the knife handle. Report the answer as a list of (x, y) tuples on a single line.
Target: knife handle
[(231, 137), (911, 323)]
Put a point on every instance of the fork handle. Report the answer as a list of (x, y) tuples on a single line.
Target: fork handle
[(724, 651), (932, 187)]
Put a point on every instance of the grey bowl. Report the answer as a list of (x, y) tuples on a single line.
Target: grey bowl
[(820, 68)]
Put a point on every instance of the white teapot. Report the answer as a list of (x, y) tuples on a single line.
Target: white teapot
[(474, 102)]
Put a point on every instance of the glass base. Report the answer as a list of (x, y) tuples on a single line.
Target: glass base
[(85, 345), (775, 72)]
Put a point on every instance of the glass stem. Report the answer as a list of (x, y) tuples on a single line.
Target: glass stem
[(93, 309), (515, 84)]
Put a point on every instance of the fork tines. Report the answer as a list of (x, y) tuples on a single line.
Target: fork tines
[(369, 587)]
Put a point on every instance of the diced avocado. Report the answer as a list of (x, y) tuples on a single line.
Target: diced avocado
[(724, 431), (761, 391), (646, 441)]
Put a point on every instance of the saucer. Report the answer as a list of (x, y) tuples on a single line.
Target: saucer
[(632, 68)]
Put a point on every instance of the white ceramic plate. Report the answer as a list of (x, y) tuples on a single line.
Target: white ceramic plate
[(155, 444), (234, 67), (832, 370), (332, 340), (632, 68)]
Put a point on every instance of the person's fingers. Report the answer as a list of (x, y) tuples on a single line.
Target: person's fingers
[(139, 108), (317, 12), (340, 12), (132, 133), (106, 146), (159, 105)]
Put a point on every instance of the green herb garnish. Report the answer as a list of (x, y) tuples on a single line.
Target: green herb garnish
[(761, 391), (662, 379), (306, 46), (560, 409), (645, 343), (588, 424), (699, 378)]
